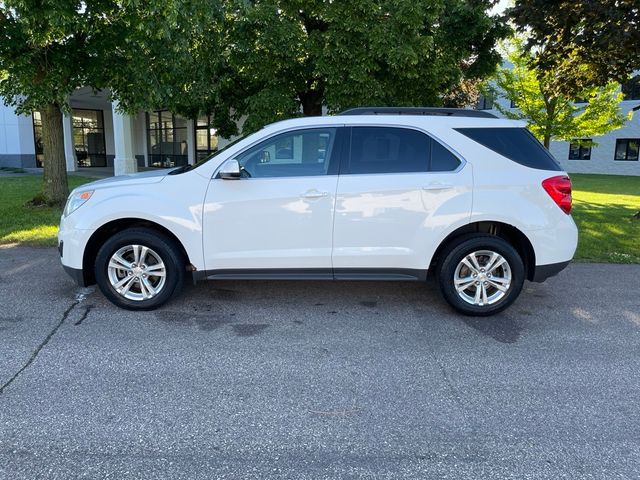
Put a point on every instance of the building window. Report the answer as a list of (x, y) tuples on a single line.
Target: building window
[(578, 151), (167, 139), (513, 104), (631, 89), (485, 102), (37, 139), (627, 149), (88, 137), (206, 137)]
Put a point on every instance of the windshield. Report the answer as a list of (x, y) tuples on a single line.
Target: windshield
[(186, 168)]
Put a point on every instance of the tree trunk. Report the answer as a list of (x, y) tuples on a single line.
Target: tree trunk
[(547, 141), (312, 103), (55, 188)]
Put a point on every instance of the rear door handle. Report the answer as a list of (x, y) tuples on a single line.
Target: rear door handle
[(437, 186), (315, 194)]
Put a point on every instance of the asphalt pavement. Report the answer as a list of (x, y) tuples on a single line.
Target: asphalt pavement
[(312, 380)]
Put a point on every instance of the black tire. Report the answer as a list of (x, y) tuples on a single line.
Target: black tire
[(163, 247), (461, 248)]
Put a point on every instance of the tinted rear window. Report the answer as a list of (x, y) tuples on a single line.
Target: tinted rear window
[(388, 150), (517, 144), (397, 150), (442, 160)]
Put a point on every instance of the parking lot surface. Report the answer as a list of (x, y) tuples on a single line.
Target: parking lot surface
[(311, 380)]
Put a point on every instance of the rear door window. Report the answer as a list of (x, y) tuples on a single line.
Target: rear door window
[(388, 150), (516, 144), (396, 150)]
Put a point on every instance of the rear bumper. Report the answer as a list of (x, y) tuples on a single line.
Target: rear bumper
[(545, 271)]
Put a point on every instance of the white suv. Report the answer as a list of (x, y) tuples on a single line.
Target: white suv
[(371, 194)]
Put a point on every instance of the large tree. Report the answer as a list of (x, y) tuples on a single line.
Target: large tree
[(49, 48), (593, 111), (292, 57), (585, 43)]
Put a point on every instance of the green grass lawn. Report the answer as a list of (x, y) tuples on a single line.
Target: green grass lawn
[(37, 226), (603, 209)]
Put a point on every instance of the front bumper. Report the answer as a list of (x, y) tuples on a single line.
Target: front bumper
[(71, 246), (76, 274)]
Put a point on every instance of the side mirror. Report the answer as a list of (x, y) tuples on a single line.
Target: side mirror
[(230, 170)]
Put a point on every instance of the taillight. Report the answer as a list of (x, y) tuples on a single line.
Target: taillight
[(559, 188)]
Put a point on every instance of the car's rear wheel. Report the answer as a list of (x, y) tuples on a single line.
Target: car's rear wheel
[(139, 269), (480, 274)]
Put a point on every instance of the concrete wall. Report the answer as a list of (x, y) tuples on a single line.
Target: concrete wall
[(17, 147)]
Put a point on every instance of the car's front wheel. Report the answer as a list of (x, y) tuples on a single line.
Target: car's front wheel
[(480, 275), (139, 269)]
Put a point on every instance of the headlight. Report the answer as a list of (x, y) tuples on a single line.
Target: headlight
[(76, 200)]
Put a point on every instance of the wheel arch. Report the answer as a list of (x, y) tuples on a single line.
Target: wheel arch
[(98, 238), (507, 232)]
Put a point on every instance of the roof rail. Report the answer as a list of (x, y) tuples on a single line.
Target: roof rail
[(446, 112)]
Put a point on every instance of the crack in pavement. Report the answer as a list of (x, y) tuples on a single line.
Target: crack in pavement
[(87, 310), (35, 353)]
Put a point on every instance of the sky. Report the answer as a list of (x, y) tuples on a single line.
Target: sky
[(500, 6)]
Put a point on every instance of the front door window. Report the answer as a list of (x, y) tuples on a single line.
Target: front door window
[(294, 154)]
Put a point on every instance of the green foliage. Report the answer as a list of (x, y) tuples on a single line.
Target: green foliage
[(550, 114), (288, 56), (586, 43), (44, 51), (141, 49)]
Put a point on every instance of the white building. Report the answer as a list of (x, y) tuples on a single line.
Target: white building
[(616, 153), (97, 136)]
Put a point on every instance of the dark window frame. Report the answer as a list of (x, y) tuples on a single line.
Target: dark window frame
[(631, 88), (626, 151), (485, 102), (202, 153), (37, 135), (584, 152), (166, 159), (85, 129)]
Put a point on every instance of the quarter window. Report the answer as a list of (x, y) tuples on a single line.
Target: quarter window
[(294, 154), (627, 149), (516, 144), (580, 151)]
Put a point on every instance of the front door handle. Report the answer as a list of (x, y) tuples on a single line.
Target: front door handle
[(315, 194), (437, 186)]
